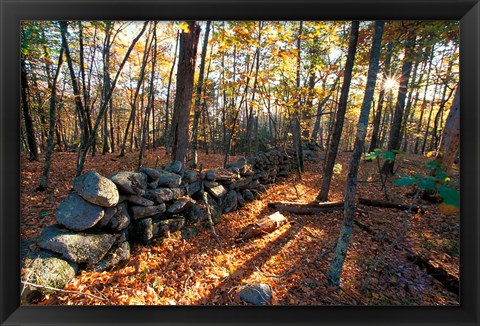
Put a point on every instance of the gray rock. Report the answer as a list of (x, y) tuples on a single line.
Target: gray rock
[(77, 214), (76, 247), (152, 174), (217, 191), (174, 224), (43, 268), (215, 208), (240, 200), (193, 187), (240, 184), (196, 213), (138, 212), (130, 183), (169, 179), (189, 232), (96, 189), (142, 230), (190, 176), (230, 202), (221, 175), (257, 294), (248, 195), (153, 184), (137, 200), (178, 192), (118, 256), (160, 195), (107, 216), (121, 219), (180, 205), (174, 166)]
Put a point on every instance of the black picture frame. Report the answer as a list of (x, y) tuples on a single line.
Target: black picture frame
[(12, 12)]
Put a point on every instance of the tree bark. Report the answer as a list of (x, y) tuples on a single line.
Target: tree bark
[(183, 96), (340, 117), (336, 266), (198, 98), (29, 129), (450, 141), (51, 134), (83, 153), (167, 101), (394, 137)]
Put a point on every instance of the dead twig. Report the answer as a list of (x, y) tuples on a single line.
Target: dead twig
[(65, 291)]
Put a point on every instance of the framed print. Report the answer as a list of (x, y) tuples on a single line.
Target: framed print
[(239, 162)]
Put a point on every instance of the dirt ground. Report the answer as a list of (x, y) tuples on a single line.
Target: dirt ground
[(198, 271)]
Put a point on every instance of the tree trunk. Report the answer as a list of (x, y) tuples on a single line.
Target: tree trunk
[(343, 241), (51, 133), (378, 115), (394, 137), (296, 127), (183, 95), (29, 129), (450, 141), (167, 101), (198, 98), (151, 98), (133, 104), (83, 153), (340, 117)]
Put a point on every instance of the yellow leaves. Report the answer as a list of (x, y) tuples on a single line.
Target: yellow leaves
[(183, 27)]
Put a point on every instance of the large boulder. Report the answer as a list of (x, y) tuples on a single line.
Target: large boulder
[(96, 189), (169, 179), (130, 183), (196, 213), (45, 269), (152, 174), (138, 212), (257, 294), (107, 216), (77, 214), (76, 247), (175, 167), (160, 195)]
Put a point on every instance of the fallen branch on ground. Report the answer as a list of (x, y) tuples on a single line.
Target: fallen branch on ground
[(64, 291), (263, 226)]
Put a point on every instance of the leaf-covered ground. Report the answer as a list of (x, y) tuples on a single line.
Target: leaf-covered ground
[(198, 272)]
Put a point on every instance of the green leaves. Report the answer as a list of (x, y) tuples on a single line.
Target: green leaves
[(439, 184), (386, 155)]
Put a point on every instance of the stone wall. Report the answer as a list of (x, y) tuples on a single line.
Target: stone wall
[(99, 219)]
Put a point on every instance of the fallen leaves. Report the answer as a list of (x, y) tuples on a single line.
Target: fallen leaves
[(193, 272)]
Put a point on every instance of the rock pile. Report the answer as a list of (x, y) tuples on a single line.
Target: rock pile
[(102, 216)]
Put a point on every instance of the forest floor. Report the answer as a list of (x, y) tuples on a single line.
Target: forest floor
[(198, 272)]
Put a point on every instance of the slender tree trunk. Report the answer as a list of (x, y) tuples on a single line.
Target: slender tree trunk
[(198, 98), (167, 101), (340, 117), (320, 113), (343, 241), (394, 138), (183, 95), (133, 104), (29, 129), (296, 127), (378, 115), (83, 154), (76, 89), (151, 98), (51, 134)]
